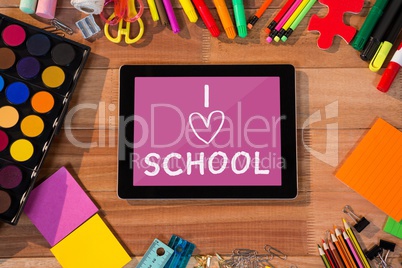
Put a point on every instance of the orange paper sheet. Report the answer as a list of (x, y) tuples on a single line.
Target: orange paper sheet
[(374, 168)]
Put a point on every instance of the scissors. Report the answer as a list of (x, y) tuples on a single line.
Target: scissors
[(125, 12)]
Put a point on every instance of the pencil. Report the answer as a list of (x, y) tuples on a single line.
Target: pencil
[(342, 253), (345, 247), (253, 20), (279, 16), (329, 255), (353, 250), (356, 244), (323, 257), (336, 255)]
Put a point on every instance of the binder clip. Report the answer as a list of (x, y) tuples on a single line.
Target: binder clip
[(376, 253), (182, 252), (388, 246), (359, 222)]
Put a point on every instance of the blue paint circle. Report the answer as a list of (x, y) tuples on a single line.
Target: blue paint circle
[(1, 83), (38, 44), (28, 67), (17, 93)]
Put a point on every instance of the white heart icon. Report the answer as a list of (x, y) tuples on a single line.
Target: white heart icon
[(207, 123)]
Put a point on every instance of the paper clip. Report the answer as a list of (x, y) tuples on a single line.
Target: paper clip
[(360, 222), (275, 252), (125, 31), (56, 26)]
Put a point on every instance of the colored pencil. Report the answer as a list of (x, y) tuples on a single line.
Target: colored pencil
[(323, 257), (356, 244), (329, 255), (335, 253), (353, 250), (341, 251)]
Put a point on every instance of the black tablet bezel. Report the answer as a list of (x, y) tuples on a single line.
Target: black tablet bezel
[(288, 189)]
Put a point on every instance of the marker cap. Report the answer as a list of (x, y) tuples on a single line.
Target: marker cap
[(388, 76)]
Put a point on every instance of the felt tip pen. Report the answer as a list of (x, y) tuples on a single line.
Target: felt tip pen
[(390, 13), (279, 16), (386, 46), (298, 20), (207, 17), (371, 20), (162, 12), (172, 17), (153, 10), (391, 71), (291, 19), (189, 10), (253, 19), (225, 18), (240, 17)]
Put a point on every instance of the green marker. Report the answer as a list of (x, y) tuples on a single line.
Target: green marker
[(364, 34), (298, 20), (240, 17)]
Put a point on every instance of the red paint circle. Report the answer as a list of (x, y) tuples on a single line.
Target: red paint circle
[(14, 35)]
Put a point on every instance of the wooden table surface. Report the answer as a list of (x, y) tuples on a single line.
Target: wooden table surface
[(335, 84)]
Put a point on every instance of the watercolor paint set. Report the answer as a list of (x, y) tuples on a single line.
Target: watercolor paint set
[(38, 73)]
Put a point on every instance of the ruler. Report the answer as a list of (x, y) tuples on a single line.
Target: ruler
[(182, 252), (157, 255)]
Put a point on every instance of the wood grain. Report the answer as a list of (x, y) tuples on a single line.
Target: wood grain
[(334, 84)]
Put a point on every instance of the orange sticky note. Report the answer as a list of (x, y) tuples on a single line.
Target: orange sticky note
[(374, 168)]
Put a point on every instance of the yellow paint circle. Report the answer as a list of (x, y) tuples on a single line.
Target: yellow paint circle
[(32, 126), (21, 150), (8, 116), (42, 102), (53, 76)]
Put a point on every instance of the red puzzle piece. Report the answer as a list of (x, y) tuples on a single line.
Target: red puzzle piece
[(333, 24)]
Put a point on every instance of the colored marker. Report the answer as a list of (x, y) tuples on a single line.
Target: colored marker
[(373, 16), (353, 250), (380, 30), (162, 12), (189, 10), (153, 10), (279, 16), (391, 71), (253, 19), (356, 244), (225, 18), (285, 17), (385, 46), (207, 17), (298, 20), (240, 17), (323, 257), (292, 18), (172, 17)]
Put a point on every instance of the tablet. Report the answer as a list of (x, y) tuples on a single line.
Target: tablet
[(207, 132)]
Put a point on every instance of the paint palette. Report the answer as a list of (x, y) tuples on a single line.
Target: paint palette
[(38, 74)]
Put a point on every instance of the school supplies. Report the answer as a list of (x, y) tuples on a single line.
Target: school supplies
[(171, 16), (391, 71), (157, 255), (371, 20), (393, 227), (253, 19), (153, 10), (373, 168), (359, 222), (298, 20), (182, 252), (333, 24), (225, 18), (88, 26), (240, 17), (207, 17), (291, 19), (39, 72), (356, 244), (28, 6), (132, 16), (189, 10), (323, 257), (88, 6), (279, 16)]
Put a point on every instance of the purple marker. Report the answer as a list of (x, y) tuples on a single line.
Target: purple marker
[(172, 18)]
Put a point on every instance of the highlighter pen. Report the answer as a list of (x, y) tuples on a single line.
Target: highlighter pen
[(292, 18), (353, 250), (279, 16), (391, 71), (380, 29), (386, 46), (298, 20), (162, 12), (207, 17), (285, 17), (225, 18), (189, 10), (153, 10), (373, 16), (356, 243), (172, 17), (240, 17), (253, 19), (323, 257)]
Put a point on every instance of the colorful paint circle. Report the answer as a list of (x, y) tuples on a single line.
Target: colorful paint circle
[(53, 76), (8, 116), (63, 54), (17, 93), (10, 177), (32, 126), (21, 150), (5, 201), (3, 140), (28, 67), (38, 45), (1, 83), (42, 102), (13, 35), (7, 58)]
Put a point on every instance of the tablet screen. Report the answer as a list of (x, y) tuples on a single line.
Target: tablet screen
[(207, 131)]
